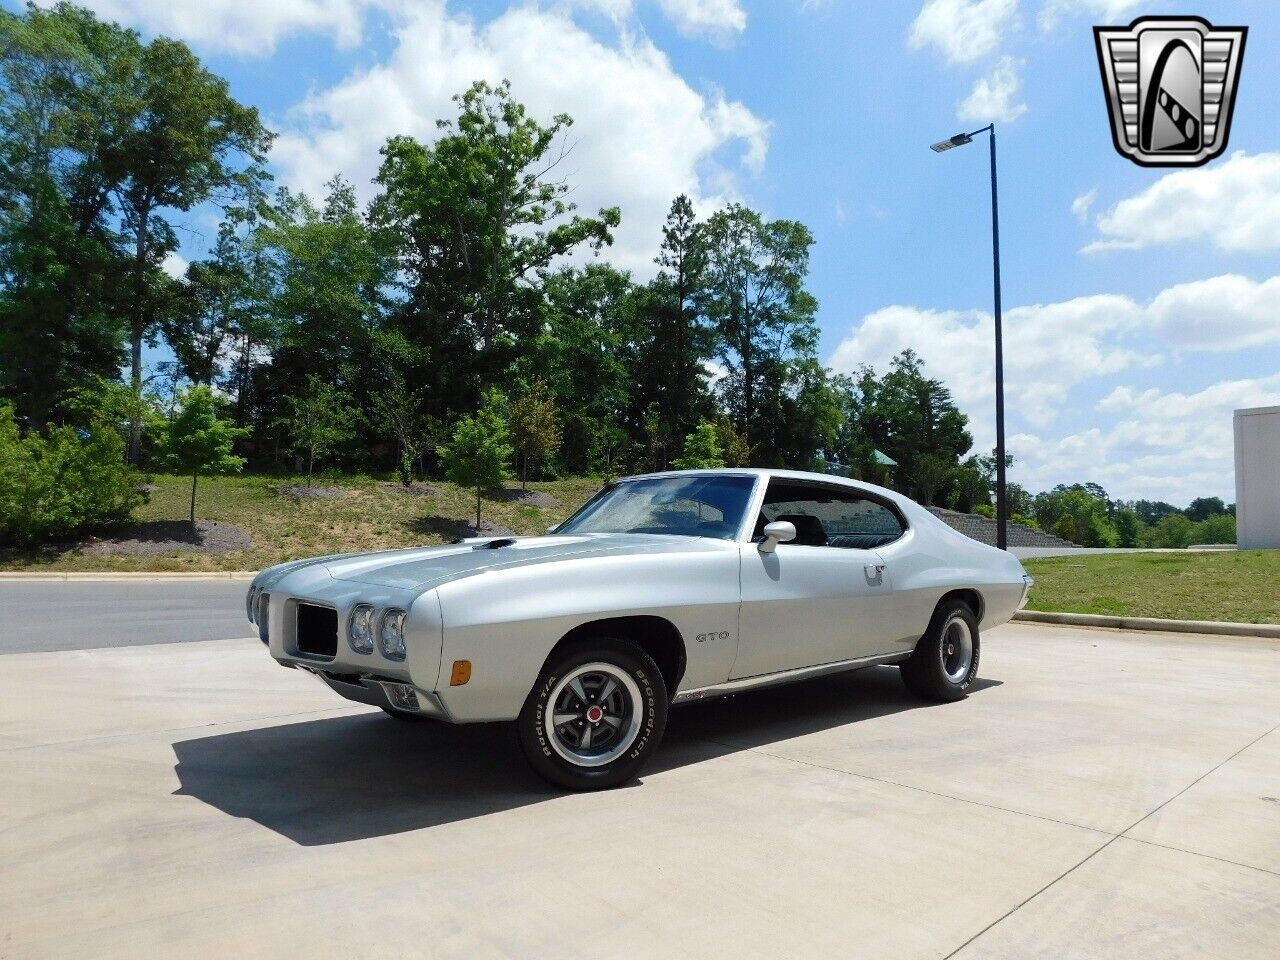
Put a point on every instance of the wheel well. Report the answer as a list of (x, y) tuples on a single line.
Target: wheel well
[(656, 636), (971, 598)]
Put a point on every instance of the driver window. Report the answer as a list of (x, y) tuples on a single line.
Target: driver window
[(827, 517)]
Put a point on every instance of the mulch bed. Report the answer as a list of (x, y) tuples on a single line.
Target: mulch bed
[(531, 498), (413, 490), (164, 537), (312, 493)]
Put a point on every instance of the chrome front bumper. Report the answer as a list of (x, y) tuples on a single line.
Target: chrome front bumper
[(379, 692)]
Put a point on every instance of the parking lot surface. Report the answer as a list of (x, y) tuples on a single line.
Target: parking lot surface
[(1099, 794)]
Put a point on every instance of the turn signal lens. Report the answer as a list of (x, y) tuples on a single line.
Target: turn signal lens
[(391, 635), (461, 673), (360, 628)]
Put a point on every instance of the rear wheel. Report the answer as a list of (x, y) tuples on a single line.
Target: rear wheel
[(945, 661), (595, 715)]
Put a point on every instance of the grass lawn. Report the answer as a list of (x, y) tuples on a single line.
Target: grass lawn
[(1243, 586), (369, 517)]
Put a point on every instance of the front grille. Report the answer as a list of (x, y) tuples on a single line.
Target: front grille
[(317, 631)]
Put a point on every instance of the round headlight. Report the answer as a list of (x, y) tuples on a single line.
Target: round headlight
[(391, 635), (360, 628)]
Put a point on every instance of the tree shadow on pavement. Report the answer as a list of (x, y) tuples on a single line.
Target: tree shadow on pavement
[(365, 775)]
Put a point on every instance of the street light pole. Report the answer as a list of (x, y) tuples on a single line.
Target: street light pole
[(1002, 509)]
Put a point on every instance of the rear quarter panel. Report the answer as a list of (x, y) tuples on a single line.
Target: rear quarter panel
[(933, 559)]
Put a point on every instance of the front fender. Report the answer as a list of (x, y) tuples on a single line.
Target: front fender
[(506, 622)]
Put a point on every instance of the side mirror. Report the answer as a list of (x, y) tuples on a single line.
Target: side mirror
[(553, 528), (780, 531)]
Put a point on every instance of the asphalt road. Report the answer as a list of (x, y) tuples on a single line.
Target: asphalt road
[(83, 615), (1099, 794)]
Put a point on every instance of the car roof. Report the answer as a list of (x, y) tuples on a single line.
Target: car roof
[(767, 473)]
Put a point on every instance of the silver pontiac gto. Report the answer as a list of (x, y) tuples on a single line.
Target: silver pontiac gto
[(661, 589)]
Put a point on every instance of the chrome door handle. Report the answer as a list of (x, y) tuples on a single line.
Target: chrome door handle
[(874, 569)]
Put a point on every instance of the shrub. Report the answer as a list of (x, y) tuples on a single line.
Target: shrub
[(985, 510), (57, 485), (1220, 528)]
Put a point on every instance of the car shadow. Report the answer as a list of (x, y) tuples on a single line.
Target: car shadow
[(365, 775)]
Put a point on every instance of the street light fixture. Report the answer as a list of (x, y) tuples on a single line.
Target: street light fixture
[(1002, 511)]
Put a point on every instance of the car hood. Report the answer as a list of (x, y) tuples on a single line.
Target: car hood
[(428, 567)]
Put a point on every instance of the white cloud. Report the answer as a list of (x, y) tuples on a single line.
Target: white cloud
[(1049, 349), (175, 265), (1170, 445), (1221, 313), (246, 27), (992, 97), (717, 19), (641, 135), (1103, 11), (1080, 205), (1235, 205), (963, 30), (1144, 443)]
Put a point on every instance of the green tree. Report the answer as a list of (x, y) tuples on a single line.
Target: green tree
[(701, 449), (319, 420), (928, 474), (1129, 527), (762, 318), (328, 273), (403, 412), (907, 414), (480, 450), (196, 441), (969, 485), (535, 427), (1202, 508), (60, 251), (475, 219), (584, 351)]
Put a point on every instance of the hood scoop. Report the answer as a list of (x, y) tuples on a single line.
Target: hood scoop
[(494, 544)]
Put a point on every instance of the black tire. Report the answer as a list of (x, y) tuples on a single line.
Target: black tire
[(641, 719), (926, 674), (404, 716)]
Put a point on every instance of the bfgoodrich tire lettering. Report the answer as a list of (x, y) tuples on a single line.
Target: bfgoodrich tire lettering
[(595, 715), (945, 661)]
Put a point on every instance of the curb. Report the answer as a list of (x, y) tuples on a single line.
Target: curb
[(16, 575), (1268, 630)]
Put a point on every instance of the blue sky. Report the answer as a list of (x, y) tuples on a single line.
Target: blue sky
[(1141, 306)]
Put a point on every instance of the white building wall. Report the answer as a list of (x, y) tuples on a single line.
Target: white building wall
[(1258, 478)]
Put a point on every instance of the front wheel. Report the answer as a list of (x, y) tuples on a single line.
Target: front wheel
[(595, 715), (945, 661)]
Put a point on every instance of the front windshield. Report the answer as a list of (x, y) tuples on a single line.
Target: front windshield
[(691, 506)]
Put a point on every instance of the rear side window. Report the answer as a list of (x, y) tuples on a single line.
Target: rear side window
[(826, 517)]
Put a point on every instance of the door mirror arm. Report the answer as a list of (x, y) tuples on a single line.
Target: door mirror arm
[(780, 531)]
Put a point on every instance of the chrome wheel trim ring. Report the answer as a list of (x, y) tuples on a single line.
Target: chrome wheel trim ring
[(957, 649), (564, 693)]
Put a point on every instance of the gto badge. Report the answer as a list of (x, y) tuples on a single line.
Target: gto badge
[(704, 637)]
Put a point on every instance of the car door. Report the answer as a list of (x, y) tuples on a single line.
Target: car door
[(826, 596)]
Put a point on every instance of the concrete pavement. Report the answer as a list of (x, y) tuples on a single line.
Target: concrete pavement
[(1099, 795), (82, 615)]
